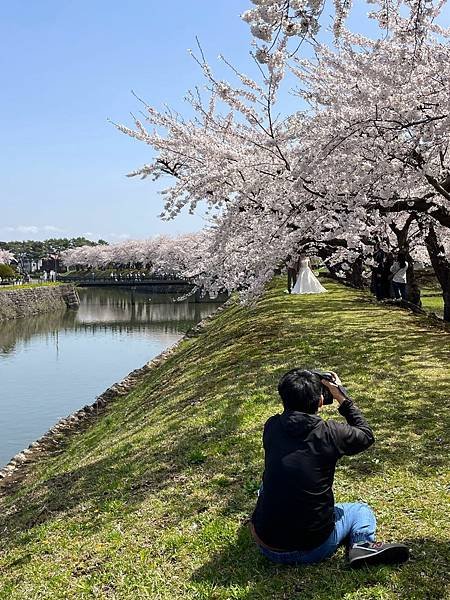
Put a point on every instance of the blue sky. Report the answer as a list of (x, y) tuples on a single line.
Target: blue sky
[(66, 67)]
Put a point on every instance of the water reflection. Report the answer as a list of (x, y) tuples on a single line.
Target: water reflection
[(55, 363), (121, 311), (21, 331), (134, 307)]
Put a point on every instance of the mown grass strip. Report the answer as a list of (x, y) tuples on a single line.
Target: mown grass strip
[(28, 286), (151, 502)]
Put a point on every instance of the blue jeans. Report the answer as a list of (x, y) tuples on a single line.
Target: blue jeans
[(353, 522), (399, 290)]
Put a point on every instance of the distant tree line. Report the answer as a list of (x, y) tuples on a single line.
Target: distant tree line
[(34, 250)]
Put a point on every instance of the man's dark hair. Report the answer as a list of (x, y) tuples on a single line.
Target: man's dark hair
[(300, 390)]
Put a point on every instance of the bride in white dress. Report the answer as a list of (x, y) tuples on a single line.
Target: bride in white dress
[(307, 282)]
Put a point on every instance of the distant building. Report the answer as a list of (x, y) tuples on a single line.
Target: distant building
[(30, 265)]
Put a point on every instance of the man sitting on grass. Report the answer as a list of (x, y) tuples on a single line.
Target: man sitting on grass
[(295, 520)]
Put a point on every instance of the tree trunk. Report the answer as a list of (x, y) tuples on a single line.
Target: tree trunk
[(413, 287), (441, 266), (446, 307), (356, 274)]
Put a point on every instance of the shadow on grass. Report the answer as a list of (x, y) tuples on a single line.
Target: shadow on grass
[(241, 565), (130, 473)]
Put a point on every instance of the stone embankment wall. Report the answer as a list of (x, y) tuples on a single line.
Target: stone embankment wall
[(25, 302)]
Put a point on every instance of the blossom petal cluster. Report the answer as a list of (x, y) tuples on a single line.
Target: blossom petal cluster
[(164, 255), (6, 257), (271, 19)]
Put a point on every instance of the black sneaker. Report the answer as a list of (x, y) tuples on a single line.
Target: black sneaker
[(377, 553)]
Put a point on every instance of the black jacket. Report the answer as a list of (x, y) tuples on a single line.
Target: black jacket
[(295, 509)]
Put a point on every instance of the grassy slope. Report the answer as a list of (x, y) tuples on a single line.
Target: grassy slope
[(27, 286), (151, 501)]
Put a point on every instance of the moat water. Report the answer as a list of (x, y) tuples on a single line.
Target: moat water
[(55, 363)]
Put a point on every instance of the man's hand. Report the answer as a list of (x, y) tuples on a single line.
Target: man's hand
[(333, 386)]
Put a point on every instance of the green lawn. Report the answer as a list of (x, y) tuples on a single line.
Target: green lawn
[(151, 501), (433, 301), (431, 292)]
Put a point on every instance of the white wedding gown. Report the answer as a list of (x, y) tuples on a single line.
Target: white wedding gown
[(307, 282)]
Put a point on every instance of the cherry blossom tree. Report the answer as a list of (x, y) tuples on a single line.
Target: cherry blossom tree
[(273, 21), (164, 255), (243, 164), (385, 127), (365, 159), (6, 257)]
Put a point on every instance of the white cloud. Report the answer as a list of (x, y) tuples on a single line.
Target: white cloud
[(32, 228), (52, 228), (120, 236), (23, 228)]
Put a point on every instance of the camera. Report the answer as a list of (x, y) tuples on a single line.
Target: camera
[(327, 395)]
